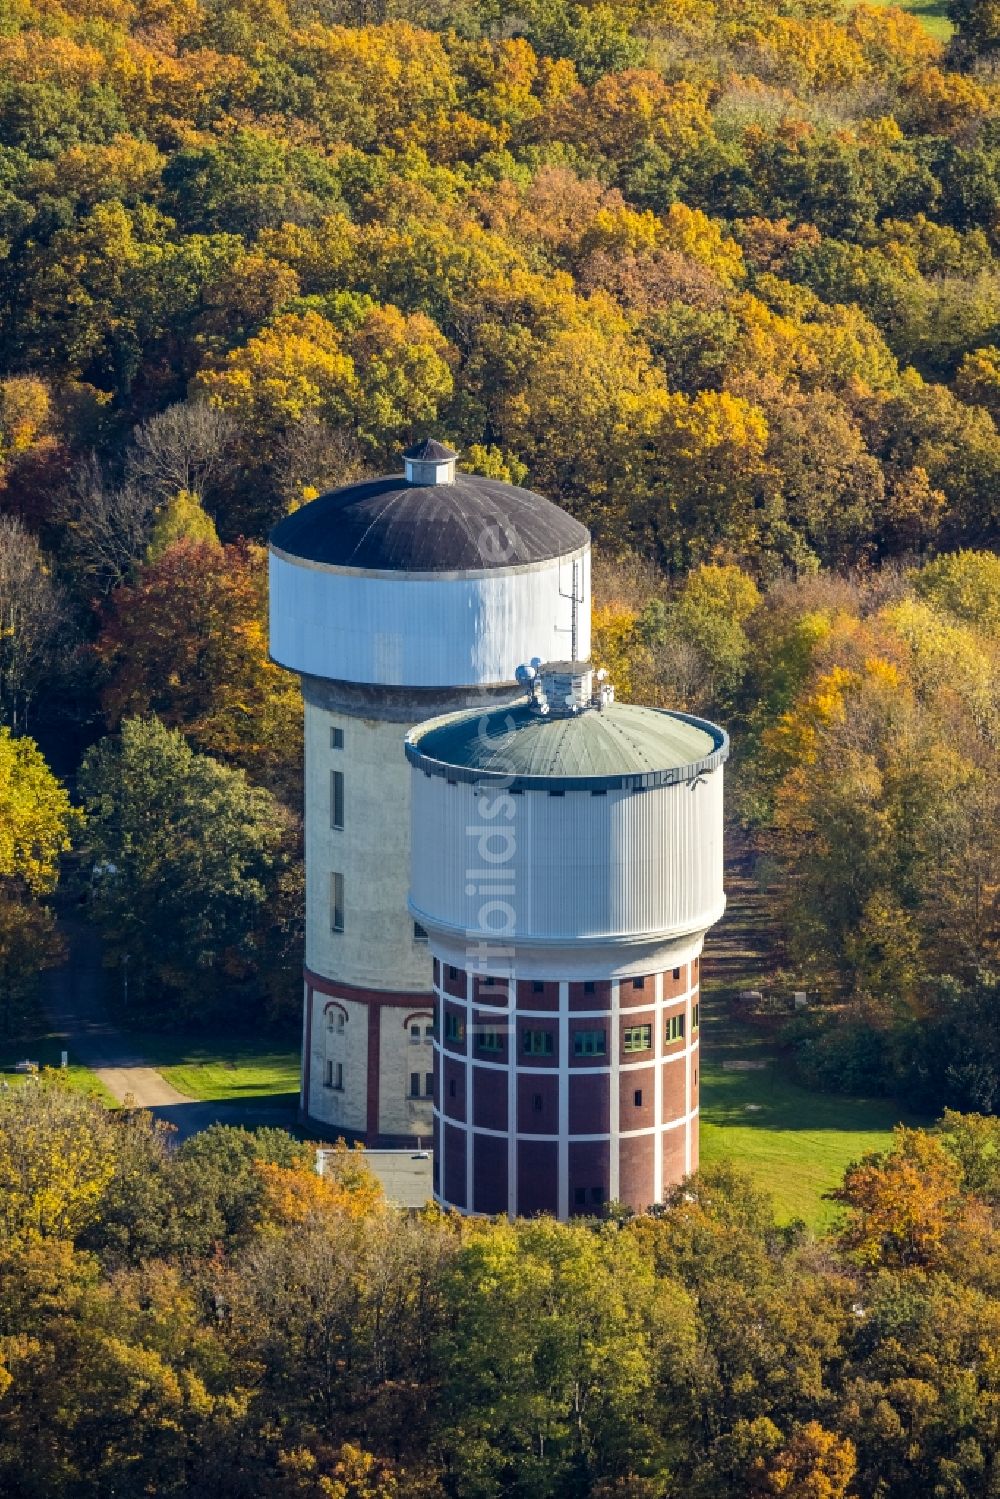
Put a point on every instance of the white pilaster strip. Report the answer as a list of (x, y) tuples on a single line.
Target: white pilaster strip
[(614, 1086), (689, 1042)]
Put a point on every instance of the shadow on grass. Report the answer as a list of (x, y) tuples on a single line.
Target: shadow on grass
[(762, 1099)]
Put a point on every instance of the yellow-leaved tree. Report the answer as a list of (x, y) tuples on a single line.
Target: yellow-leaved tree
[(36, 821)]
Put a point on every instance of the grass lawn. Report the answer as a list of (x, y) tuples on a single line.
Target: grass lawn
[(794, 1142), (933, 14), (46, 1051), (212, 1068)]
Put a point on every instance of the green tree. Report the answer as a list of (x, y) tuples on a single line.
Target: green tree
[(191, 873)]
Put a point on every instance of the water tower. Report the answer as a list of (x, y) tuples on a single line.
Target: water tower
[(396, 599), (567, 863)]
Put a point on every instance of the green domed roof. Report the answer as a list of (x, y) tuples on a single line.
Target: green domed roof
[(618, 745)]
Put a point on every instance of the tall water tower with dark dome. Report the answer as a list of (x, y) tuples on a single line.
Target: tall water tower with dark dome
[(396, 600)]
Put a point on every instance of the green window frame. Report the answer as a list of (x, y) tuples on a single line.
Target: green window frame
[(695, 1017), (675, 1029), (590, 1043), (637, 1038), (489, 1041), (537, 1043), (454, 1028)]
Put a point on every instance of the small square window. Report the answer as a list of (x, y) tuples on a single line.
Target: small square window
[(590, 1043), (638, 983), (637, 1098), (336, 738), (537, 987), (589, 987), (419, 932), (414, 1033), (637, 1038)]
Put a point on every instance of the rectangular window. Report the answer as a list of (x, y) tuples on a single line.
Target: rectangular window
[(336, 902), (452, 972), (695, 1017), (489, 1041), (537, 1043), (580, 1196), (638, 983), (675, 1029), (414, 1084), (454, 1029), (428, 1085), (419, 932), (337, 799), (677, 973), (638, 1038), (336, 739), (597, 1195), (451, 1088), (414, 1033), (428, 1032), (637, 1098), (536, 1103), (334, 1076), (328, 1077), (590, 1043)]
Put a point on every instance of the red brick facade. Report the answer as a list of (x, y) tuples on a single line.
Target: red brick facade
[(579, 1093)]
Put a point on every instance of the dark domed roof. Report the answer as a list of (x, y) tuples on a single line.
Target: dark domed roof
[(388, 525)]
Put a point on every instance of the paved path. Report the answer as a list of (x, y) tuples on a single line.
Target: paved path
[(74, 1002)]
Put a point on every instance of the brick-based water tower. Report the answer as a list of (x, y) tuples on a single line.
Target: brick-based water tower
[(567, 863), (396, 599)]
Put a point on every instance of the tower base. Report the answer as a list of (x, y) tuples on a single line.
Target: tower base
[(367, 1064)]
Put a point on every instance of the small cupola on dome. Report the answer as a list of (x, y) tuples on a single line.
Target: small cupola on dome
[(430, 462)]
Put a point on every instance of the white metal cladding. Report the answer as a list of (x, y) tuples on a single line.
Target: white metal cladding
[(453, 630), (625, 865)]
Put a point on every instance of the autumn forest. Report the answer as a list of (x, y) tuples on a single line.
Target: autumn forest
[(720, 277)]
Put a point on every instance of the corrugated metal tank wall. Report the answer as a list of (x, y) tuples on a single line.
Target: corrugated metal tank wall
[(425, 630), (573, 867)]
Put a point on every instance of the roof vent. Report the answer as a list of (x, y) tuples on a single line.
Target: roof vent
[(562, 689), (430, 462)]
